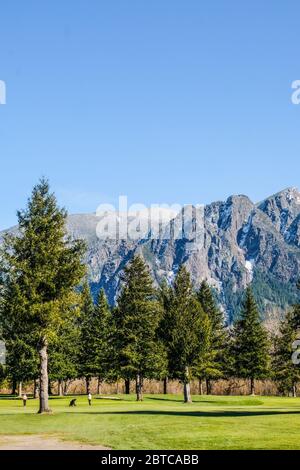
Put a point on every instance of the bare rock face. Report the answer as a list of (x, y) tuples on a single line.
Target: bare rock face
[(231, 244), (282, 209)]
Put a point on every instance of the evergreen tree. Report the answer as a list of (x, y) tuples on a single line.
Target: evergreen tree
[(11, 331), (87, 360), (165, 327), (139, 352), (103, 339), (190, 331), (251, 348), (286, 373), (212, 367), (41, 266), (21, 361), (96, 342), (63, 353), (21, 355), (229, 368)]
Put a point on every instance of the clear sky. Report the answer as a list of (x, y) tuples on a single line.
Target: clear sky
[(166, 101)]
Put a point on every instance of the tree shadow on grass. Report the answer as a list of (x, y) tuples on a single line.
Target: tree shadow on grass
[(171, 400), (196, 414), (246, 402)]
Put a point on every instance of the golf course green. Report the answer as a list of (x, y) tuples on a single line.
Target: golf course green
[(161, 422)]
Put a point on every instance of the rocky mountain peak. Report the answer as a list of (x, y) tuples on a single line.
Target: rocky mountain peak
[(283, 209)]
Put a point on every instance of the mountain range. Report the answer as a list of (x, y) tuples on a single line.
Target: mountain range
[(236, 243)]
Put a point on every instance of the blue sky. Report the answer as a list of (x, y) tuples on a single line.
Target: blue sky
[(166, 101)]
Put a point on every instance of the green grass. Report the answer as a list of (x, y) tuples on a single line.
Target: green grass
[(163, 422)]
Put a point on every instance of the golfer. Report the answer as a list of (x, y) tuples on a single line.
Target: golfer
[(90, 399)]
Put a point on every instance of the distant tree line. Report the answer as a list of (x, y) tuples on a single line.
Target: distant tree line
[(55, 332)]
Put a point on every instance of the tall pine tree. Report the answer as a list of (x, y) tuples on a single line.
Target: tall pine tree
[(165, 294), (103, 339), (251, 346), (140, 354), (21, 354), (286, 373), (43, 266), (88, 365), (212, 367), (190, 330)]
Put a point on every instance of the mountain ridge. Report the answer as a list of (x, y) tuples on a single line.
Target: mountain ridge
[(237, 243)]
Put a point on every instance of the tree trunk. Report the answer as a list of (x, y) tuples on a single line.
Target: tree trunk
[(44, 403), (20, 389), (127, 386), (139, 388), (66, 386), (187, 392), (208, 387), (60, 388), (294, 391), (187, 387), (14, 387), (166, 382), (252, 386), (99, 386), (88, 385), (35, 388), (49, 387), (200, 387)]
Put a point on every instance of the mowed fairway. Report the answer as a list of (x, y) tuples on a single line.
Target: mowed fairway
[(162, 422)]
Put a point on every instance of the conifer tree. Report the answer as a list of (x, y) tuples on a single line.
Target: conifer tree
[(103, 338), (96, 348), (41, 266), (21, 355), (211, 367), (286, 372), (21, 361), (87, 354), (63, 353), (165, 327), (189, 333), (251, 347), (140, 354)]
